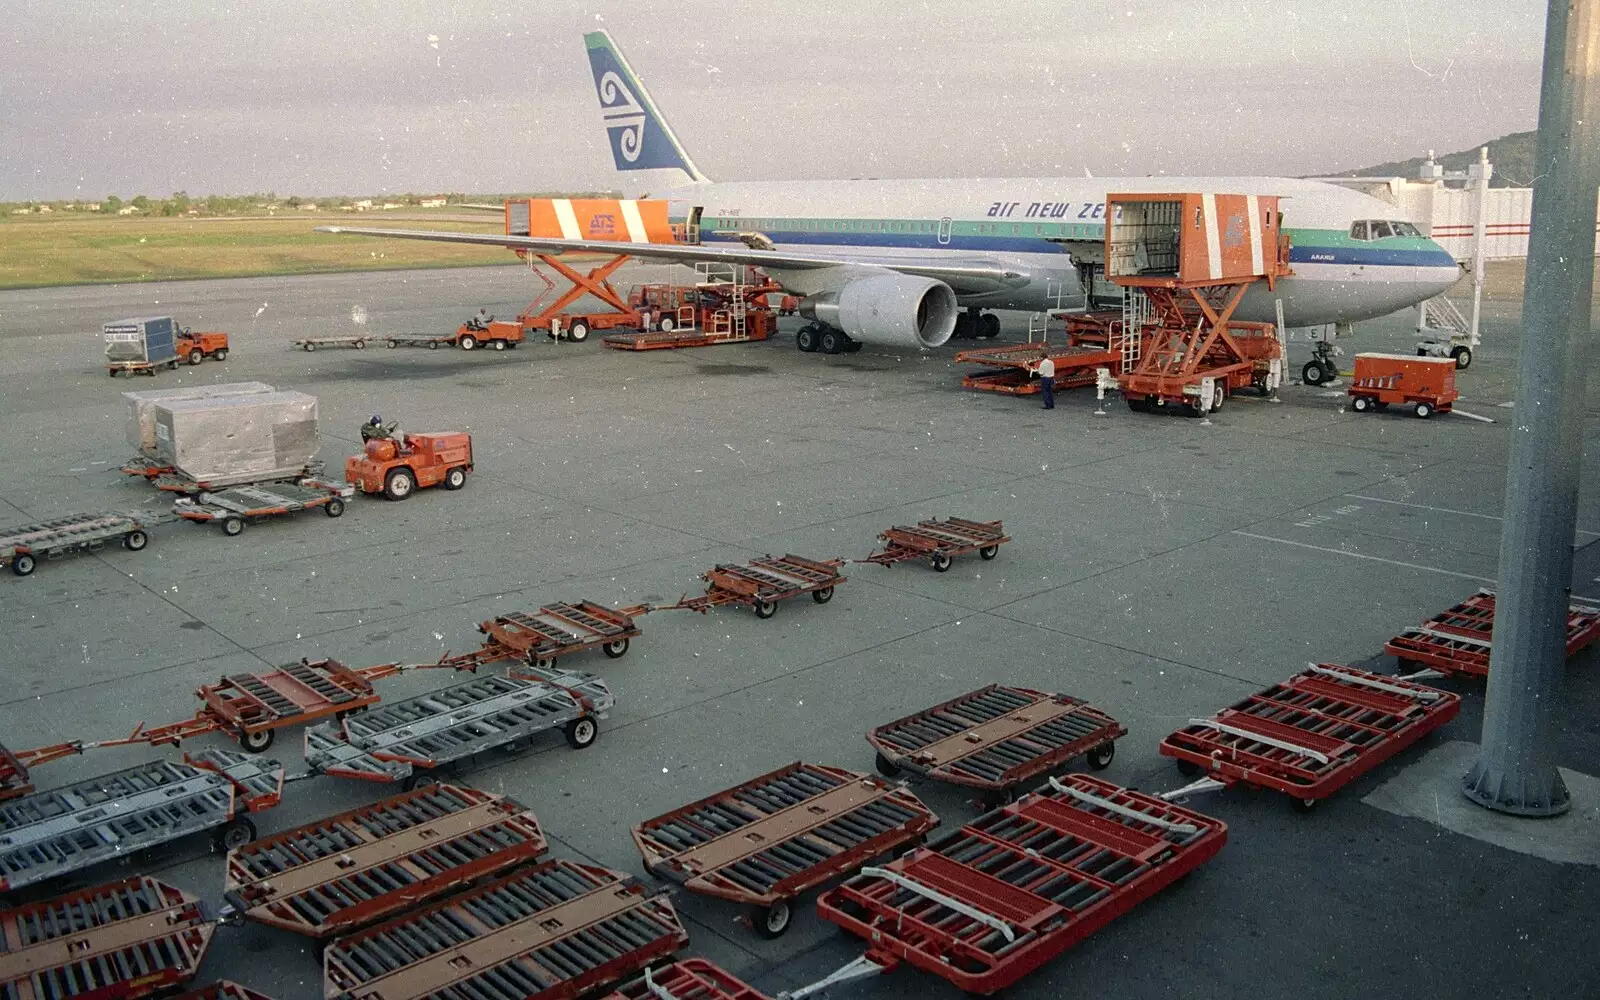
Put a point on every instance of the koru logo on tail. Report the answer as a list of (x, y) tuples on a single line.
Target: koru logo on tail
[(621, 110)]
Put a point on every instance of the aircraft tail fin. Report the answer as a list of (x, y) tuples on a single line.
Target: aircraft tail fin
[(640, 137)]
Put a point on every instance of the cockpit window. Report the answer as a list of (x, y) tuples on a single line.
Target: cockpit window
[(1358, 231), (1404, 229), (1380, 230)]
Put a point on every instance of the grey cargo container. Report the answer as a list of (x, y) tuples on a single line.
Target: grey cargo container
[(234, 439), (151, 340), (142, 407)]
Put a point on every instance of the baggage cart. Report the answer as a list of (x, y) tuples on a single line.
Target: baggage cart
[(551, 932), (939, 542), (1009, 368), (1426, 385), (996, 738), (763, 582), (147, 468), (763, 843), (233, 508), (536, 638), (1017, 886), (119, 941), (68, 829), (1457, 641), (409, 741), (1312, 734), (22, 547), (140, 345), (15, 779), (334, 875), (312, 343), (174, 481), (690, 979), (431, 343)]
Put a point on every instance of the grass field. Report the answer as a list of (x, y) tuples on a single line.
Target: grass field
[(39, 251)]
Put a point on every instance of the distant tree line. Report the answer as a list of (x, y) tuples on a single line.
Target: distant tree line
[(182, 204)]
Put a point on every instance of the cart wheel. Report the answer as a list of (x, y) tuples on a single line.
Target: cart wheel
[(238, 832), (1463, 356), (581, 732), (398, 484), (765, 609), (578, 332), (988, 552), (1361, 404), (940, 562), (333, 508), (1000, 797), (309, 346), (1100, 757), (393, 343), (433, 345), (455, 478), (541, 662), (499, 345), (258, 741), (468, 341), (885, 766), (615, 650), (771, 921), (1187, 768), (822, 595), (221, 354), (1303, 806), (1423, 411), (418, 779), (23, 564), (361, 345), (135, 540), (232, 525), (196, 356)]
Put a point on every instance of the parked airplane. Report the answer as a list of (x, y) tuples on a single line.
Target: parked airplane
[(891, 262)]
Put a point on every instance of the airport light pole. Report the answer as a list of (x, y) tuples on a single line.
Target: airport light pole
[(1516, 769)]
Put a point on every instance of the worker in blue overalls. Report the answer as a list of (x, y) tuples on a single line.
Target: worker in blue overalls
[(1046, 370)]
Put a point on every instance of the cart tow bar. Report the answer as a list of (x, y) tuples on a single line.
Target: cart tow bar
[(1089, 798), (859, 968), (912, 885)]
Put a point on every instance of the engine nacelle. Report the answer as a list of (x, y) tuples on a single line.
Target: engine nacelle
[(894, 310)]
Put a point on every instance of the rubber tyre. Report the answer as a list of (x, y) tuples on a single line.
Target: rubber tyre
[(468, 342), (667, 324), (1187, 768), (885, 766), (1219, 395), (196, 356), (433, 345), (361, 345), (1140, 405), (455, 478), (334, 507), (310, 346), (1313, 373), (989, 326), (499, 345), (1361, 404), (232, 526), (1303, 806), (24, 564), (615, 650), (831, 342), (221, 354), (1423, 411), (1463, 356), (392, 344), (1002, 797), (765, 609), (578, 332), (822, 595), (940, 562), (805, 340), (399, 484), (988, 552), (1100, 757), (581, 733), (418, 779), (135, 540), (236, 833), (259, 741), (771, 921)]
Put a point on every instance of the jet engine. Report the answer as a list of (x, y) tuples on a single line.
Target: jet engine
[(893, 310)]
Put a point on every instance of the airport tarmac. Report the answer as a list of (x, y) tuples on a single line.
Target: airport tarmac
[(1162, 568)]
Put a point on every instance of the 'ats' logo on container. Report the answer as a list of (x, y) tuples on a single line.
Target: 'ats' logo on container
[(603, 225)]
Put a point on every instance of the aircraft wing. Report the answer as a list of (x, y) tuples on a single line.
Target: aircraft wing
[(964, 275)]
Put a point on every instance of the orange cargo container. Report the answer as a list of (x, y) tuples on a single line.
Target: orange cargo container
[(1424, 384), (613, 220), (1190, 238)]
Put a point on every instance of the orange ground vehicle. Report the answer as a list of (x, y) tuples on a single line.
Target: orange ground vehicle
[(496, 334), (1427, 385), (196, 347), (398, 469)]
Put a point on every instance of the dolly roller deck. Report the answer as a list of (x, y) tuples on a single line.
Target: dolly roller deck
[(996, 738), (64, 830), (939, 541), (768, 840), (551, 932), (1019, 885), (690, 979), (1312, 734), (23, 546), (400, 741), (223, 989), (538, 637), (762, 583), (237, 506), (118, 941), (1459, 639), (336, 874)]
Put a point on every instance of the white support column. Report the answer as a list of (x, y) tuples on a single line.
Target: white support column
[(1482, 171)]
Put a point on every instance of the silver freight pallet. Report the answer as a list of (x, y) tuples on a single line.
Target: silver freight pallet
[(22, 547), (407, 741), (64, 830), (241, 505)]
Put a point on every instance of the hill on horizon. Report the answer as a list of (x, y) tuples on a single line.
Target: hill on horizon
[(1512, 156)]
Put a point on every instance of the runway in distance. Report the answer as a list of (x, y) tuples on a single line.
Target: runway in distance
[(893, 262)]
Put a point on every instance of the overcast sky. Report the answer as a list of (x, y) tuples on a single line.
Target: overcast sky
[(347, 96)]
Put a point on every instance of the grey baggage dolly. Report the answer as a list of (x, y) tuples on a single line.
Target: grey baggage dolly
[(408, 741), (22, 547), (233, 508), (312, 343), (64, 830)]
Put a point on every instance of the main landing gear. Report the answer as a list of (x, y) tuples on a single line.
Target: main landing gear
[(975, 324), (820, 337)]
